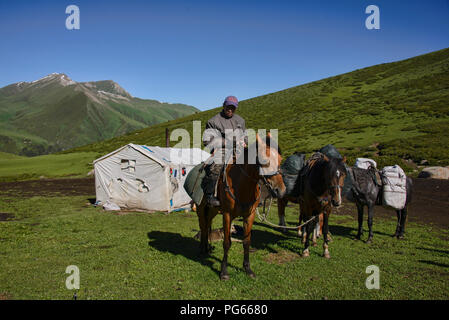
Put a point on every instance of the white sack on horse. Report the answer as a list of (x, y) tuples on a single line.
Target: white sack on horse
[(394, 183), (365, 163)]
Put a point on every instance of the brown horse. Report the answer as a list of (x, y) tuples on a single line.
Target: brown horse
[(317, 231), (239, 194), (321, 183)]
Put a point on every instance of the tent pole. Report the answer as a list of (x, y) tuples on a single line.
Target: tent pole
[(167, 140)]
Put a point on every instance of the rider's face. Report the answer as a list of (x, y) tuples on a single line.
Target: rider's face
[(229, 110)]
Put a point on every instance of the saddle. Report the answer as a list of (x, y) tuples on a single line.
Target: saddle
[(359, 177), (306, 169), (193, 183)]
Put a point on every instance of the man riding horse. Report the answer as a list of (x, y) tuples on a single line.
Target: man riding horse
[(220, 129)]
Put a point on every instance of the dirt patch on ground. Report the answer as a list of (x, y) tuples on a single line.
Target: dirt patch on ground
[(430, 204), (48, 187), (430, 199), (5, 296), (281, 257)]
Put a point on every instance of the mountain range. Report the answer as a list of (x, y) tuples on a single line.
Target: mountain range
[(56, 113)]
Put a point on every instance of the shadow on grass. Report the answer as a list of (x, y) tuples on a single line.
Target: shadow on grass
[(434, 250), (179, 245), (438, 264), (189, 247)]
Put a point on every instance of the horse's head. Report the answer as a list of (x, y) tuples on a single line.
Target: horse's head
[(334, 179), (269, 161)]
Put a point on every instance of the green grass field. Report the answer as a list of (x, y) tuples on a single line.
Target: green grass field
[(73, 165), (154, 256)]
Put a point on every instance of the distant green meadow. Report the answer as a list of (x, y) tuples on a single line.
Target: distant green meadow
[(154, 256), (72, 165)]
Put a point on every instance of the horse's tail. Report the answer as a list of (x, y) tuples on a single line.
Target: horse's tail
[(409, 187)]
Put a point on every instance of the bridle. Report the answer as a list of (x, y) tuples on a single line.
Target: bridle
[(323, 200), (338, 187)]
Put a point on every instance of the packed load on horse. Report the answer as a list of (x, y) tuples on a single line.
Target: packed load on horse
[(290, 171), (394, 187), (330, 151), (363, 169), (369, 188), (365, 163)]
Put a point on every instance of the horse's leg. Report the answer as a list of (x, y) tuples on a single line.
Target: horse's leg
[(325, 232), (309, 227), (204, 230), (316, 231), (360, 219), (403, 220), (226, 245), (300, 230), (211, 213), (398, 224), (247, 226), (282, 203), (370, 222)]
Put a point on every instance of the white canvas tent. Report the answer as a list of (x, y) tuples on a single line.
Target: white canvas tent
[(146, 178)]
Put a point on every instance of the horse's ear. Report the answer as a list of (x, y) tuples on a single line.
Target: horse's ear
[(344, 159), (259, 141)]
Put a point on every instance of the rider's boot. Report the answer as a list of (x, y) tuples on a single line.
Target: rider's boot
[(209, 192)]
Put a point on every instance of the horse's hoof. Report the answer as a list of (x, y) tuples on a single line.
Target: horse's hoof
[(204, 252), (327, 255), (224, 277), (314, 244), (305, 254), (250, 274), (401, 237), (369, 241)]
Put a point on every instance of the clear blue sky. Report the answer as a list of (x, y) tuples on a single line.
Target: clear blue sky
[(198, 52)]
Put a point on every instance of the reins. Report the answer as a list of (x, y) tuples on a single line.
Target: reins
[(263, 218)]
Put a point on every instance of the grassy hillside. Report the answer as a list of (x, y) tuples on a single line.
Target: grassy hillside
[(56, 113), (394, 112)]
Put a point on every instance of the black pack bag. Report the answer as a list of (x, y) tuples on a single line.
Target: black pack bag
[(330, 151), (290, 170)]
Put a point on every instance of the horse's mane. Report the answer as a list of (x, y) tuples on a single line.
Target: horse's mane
[(317, 165), (336, 164)]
